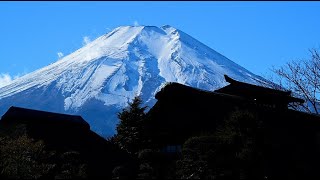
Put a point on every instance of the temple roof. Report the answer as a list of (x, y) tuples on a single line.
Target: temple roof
[(254, 92)]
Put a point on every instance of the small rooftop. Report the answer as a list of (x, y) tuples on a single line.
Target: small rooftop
[(251, 91), (30, 116)]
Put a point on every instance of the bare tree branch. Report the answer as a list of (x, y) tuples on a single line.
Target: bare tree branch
[(302, 77)]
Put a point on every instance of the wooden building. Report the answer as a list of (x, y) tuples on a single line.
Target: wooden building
[(62, 130), (292, 138), (260, 95), (63, 133), (200, 111)]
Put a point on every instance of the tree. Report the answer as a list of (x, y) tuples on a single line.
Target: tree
[(130, 131), (198, 155), (241, 137), (24, 158), (234, 151), (303, 78), (72, 166)]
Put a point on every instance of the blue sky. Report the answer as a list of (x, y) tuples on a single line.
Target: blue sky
[(256, 35)]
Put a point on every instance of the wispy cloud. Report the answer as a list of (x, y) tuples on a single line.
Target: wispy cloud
[(86, 40), (60, 55), (135, 23), (5, 79)]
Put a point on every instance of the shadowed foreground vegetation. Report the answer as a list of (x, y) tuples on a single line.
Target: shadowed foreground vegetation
[(233, 151), (22, 157), (243, 142)]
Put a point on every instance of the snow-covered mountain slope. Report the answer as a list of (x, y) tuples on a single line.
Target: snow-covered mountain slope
[(99, 79)]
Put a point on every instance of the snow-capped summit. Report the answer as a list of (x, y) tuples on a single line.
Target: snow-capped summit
[(99, 79)]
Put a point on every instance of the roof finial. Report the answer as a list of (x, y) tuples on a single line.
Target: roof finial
[(228, 79)]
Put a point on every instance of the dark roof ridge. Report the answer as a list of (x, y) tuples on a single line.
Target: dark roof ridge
[(42, 111), (32, 115), (233, 81)]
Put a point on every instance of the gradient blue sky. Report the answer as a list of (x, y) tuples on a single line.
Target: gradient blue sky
[(256, 35)]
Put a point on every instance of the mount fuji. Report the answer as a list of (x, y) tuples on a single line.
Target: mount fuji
[(99, 79)]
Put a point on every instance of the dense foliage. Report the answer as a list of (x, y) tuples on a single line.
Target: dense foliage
[(131, 129), (234, 151), (22, 157)]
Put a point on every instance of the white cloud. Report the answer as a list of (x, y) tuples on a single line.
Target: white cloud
[(60, 54), (135, 23), (17, 76), (5, 79), (108, 30), (86, 40)]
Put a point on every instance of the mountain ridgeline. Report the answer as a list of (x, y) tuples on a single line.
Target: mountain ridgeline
[(99, 79)]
